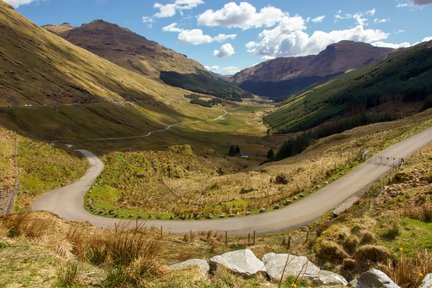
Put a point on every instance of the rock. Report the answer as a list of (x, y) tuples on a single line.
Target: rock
[(295, 266), (282, 179), (330, 278), (374, 278), (427, 281), (201, 264), (242, 262)]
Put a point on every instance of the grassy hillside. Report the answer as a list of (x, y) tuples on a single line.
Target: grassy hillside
[(42, 167), (204, 82), (195, 184), (50, 88), (387, 88), (389, 228)]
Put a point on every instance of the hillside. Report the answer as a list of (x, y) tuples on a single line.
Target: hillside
[(282, 77), (395, 87), (51, 89), (126, 48)]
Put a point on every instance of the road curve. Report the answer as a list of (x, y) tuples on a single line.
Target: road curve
[(68, 202)]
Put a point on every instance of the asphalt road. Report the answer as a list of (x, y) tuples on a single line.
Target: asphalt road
[(68, 202)]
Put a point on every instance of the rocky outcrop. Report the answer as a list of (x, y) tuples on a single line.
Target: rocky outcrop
[(427, 281), (330, 278), (201, 264), (373, 278), (293, 266), (241, 262)]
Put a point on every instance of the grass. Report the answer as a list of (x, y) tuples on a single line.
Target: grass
[(37, 172), (388, 229), (168, 185)]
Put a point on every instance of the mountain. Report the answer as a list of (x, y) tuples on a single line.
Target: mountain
[(397, 86), (52, 89), (282, 77), (126, 48), (138, 54)]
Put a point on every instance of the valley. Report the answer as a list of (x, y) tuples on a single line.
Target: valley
[(126, 157)]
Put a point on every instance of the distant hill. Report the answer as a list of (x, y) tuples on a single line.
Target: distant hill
[(397, 86), (126, 48), (282, 77), (136, 53)]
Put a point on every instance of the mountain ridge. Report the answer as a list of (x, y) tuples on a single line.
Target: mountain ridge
[(126, 48), (281, 77)]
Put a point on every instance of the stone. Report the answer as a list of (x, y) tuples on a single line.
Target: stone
[(295, 266), (427, 281), (282, 179), (241, 262), (330, 278), (201, 264), (374, 278)]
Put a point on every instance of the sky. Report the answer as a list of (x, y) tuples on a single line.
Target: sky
[(227, 36)]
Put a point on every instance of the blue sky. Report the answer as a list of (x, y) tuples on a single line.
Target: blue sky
[(227, 36)]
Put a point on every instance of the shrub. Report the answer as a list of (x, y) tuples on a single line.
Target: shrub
[(422, 213), (368, 255), (329, 251), (392, 231), (409, 270)]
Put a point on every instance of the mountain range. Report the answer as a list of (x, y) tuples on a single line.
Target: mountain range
[(282, 77)]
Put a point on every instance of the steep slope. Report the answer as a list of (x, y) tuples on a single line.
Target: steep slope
[(135, 53), (282, 77), (50, 88), (126, 48), (395, 87)]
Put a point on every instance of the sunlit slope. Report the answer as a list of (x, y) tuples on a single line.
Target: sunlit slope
[(49, 87), (395, 87)]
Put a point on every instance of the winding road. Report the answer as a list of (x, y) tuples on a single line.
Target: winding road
[(68, 202)]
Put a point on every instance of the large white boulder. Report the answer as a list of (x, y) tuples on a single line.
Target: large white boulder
[(427, 281), (241, 262), (293, 265), (373, 278), (201, 264), (330, 278)]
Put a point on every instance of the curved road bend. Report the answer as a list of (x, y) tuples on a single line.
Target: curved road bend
[(68, 202)]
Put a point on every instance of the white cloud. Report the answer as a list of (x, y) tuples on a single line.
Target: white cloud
[(243, 15), (402, 5), (169, 10), (17, 3), (194, 37), (229, 70), (172, 28), (318, 19), (426, 39), (379, 21), (391, 45), (225, 50), (224, 37), (290, 39), (359, 17), (146, 19)]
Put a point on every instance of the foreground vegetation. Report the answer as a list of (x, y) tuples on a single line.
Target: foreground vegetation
[(389, 229), (186, 183), (376, 89), (42, 167)]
